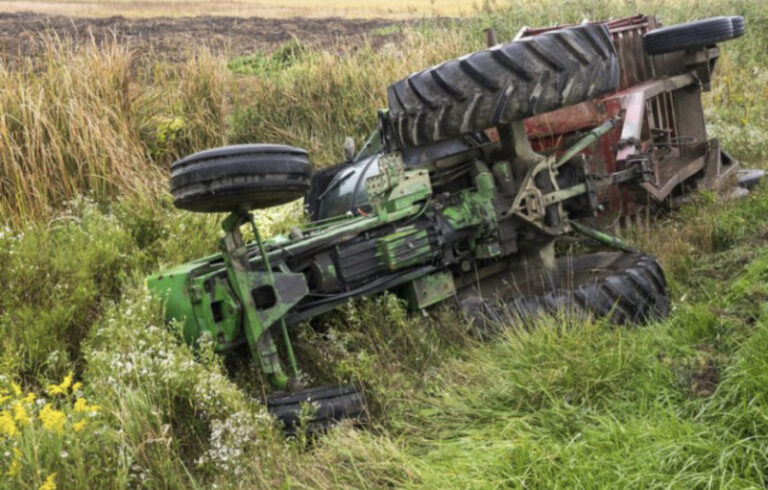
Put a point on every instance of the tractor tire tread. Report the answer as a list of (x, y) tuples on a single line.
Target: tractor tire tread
[(503, 84), (255, 176)]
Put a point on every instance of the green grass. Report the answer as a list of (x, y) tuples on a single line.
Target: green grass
[(262, 63), (586, 405), (680, 403)]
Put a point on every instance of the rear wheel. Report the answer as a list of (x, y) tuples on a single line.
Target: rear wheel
[(252, 176), (626, 288), (506, 83)]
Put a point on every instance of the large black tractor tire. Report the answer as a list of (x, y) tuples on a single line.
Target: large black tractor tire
[(705, 32), (253, 176), (331, 404), (625, 288), (502, 84)]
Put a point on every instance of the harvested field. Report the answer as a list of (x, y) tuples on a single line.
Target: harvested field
[(23, 34), (393, 9)]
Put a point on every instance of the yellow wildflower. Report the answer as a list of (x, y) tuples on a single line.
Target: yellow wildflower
[(29, 398), (16, 388), (7, 427), (78, 426), (82, 406), (20, 414), (15, 466), (77, 386), (50, 483), (53, 419), (61, 388), (4, 398)]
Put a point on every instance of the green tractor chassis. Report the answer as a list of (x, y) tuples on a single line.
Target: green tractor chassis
[(449, 203), (413, 242)]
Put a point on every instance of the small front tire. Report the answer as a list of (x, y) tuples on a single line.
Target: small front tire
[(228, 178)]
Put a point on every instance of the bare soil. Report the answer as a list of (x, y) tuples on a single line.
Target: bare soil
[(22, 34)]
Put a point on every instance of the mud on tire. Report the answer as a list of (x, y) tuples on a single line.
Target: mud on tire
[(622, 287), (503, 84)]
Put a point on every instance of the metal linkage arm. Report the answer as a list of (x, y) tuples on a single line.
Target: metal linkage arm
[(266, 296)]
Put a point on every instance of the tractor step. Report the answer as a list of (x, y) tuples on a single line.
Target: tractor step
[(330, 404)]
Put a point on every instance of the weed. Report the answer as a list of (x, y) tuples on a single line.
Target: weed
[(679, 403)]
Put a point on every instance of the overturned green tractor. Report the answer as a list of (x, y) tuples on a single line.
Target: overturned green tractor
[(448, 203)]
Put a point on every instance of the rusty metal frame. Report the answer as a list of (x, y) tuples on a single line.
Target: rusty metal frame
[(658, 100)]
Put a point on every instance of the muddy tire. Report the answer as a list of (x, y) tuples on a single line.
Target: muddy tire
[(622, 287), (331, 403), (503, 84), (254, 176), (705, 32)]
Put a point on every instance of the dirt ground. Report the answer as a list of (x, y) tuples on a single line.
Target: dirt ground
[(271, 9), (21, 34)]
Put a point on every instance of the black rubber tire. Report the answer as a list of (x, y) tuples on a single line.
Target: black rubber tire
[(622, 287), (502, 84), (255, 176), (332, 403), (705, 32), (749, 178), (738, 25)]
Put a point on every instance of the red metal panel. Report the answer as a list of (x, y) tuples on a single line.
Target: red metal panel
[(644, 100), (568, 119)]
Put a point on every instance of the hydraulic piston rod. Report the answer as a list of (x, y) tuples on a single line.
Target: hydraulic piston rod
[(586, 141)]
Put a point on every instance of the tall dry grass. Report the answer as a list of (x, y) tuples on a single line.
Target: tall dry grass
[(89, 121), (105, 121), (314, 99), (394, 9)]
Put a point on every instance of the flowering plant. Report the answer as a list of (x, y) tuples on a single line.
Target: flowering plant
[(32, 423)]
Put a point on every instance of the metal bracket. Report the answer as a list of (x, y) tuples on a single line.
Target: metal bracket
[(394, 188), (265, 296), (531, 202)]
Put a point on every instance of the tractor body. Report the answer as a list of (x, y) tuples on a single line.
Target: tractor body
[(471, 218)]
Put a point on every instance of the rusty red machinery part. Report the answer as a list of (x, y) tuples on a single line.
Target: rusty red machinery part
[(662, 120)]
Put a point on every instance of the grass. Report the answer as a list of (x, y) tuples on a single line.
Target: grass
[(86, 137), (89, 124)]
